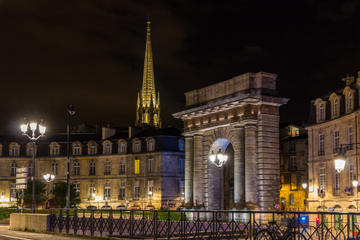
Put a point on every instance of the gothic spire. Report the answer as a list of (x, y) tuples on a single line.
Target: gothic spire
[(148, 84)]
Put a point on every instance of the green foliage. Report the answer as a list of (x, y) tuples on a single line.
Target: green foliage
[(5, 212), (60, 194), (40, 192)]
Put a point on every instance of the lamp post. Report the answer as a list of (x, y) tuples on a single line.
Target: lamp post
[(218, 160), (33, 138), (70, 111), (48, 178)]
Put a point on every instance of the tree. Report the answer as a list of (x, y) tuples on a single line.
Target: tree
[(40, 193), (60, 194)]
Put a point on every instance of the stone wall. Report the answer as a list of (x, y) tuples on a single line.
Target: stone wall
[(29, 222)]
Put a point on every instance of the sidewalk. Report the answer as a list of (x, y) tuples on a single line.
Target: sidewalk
[(7, 234)]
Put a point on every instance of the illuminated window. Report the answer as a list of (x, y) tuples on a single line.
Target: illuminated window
[(13, 192), (107, 191), (137, 166), (122, 192), (293, 131), (150, 189), (293, 183), (92, 190), (77, 188), (181, 164), (322, 179)]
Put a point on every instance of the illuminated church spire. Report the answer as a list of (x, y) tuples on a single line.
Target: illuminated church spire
[(148, 106)]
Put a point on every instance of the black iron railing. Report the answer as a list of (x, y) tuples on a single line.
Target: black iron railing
[(194, 224)]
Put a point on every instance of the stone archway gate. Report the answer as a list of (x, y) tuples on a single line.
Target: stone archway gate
[(244, 110)]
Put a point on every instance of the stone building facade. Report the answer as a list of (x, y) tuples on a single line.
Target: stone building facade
[(293, 167), (144, 170), (335, 128), (239, 117)]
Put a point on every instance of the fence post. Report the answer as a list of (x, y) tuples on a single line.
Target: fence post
[(132, 222), (251, 217), (67, 226), (110, 223), (92, 223)]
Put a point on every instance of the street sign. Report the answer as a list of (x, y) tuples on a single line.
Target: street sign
[(21, 175), (20, 186), (22, 170), (21, 180)]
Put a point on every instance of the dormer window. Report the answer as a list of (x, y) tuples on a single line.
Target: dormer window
[(54, 149), (76, 149), (122, 147), (321, 112), (29, 149), (137, 146), (14, 150), (335, 107), (107, 147), (92, 148), (350, 102), (150, 145)]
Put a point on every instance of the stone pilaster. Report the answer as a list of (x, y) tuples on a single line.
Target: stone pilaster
[(198, 188), (250, 164), (239, 165), (189, 163)]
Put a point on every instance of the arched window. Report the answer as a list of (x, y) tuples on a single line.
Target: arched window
[(14, 150), (107, 148), (76, 168), (321, 112), (122, 148), (107, 191), (13, 169), (76, 149), (150, 145), (335, 109)]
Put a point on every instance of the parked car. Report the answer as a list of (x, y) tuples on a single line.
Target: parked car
[(106, 207), (91, 207)]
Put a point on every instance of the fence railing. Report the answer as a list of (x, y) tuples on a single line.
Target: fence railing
[(202, 224)]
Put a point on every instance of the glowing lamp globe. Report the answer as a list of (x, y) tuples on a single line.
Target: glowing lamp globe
[(33, 126), (304, 185), (42, 129), (339, 164), (23, 128), (355, 183)]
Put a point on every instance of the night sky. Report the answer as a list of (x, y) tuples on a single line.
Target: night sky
[(90, 53)]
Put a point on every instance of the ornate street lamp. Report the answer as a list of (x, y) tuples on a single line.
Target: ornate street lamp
[(218, 159), (339, 162), (355, 183), (48, 178), (304, 185), (33, 138), (70, 111)]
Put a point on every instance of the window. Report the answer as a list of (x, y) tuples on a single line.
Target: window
[(122, 191), (137, 166), (77, 188), (76, 149), (122, 147), (13, 191), (292, 163), (76, 168), (321, 112), (292, 147), (181, 164), (150, 165), (107, 191), (181, 188), (92, 190), (92, 168), (122, 168), (291, 199), (13, 169), (151, 145), (181, 145), (337, 183), (321, 144), (335, 108), (54, 168), (350, 102), (350, 136), (14, 150), (293, 183), (336, 141), (54, 149), (107, 148), (92, 149), (137, 147), (293, 131), (351, 173), (107, 167), (136, 190), (322, 179), (150, 189)]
